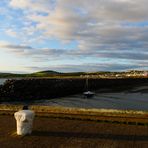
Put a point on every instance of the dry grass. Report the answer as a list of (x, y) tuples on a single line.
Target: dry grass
[(62, 133), (102, 115), (60, 109)]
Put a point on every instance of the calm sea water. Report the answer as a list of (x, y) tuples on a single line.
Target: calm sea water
[(2, 80)]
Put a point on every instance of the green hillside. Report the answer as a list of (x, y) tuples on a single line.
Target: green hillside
[(48, 73), (45, 73), (99, 74)]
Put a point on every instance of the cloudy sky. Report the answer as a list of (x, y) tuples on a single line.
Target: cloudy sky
[(73, 35)]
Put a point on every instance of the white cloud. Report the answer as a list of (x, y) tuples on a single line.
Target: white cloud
[(3, 43), (85, 20), (114, 29), (87, 67), (11, 33), (32, 5), (102, 22)]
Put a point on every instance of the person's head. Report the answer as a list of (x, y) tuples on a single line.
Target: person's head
[(25, 107)]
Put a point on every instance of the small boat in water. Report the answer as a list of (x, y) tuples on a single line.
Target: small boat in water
[(88, 94)]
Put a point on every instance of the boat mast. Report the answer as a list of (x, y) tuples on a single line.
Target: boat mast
[(87, 82)]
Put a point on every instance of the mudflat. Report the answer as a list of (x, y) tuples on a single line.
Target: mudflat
[(54, 132)]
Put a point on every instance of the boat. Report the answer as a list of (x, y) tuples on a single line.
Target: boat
[(88, 93)]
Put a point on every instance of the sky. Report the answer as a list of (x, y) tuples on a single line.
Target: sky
[(73, 35)]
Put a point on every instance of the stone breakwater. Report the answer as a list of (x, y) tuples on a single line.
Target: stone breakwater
[(31, 89)]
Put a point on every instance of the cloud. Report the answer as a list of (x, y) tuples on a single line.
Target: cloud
[(87, 67), (133, 60), (113, 30), (42, 54), (104, 23), (11, 33), (24, 50), (97, 22), (32, 5)]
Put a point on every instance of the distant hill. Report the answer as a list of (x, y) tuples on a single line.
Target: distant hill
[(55, 73), (3, 75), (49, 72)]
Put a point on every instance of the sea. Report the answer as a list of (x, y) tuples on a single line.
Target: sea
[(2, 80)]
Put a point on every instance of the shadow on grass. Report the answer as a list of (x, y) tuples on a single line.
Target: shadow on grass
[(90, 135)]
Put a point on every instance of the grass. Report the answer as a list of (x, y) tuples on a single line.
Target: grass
[(59, 109), (100, 115)]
